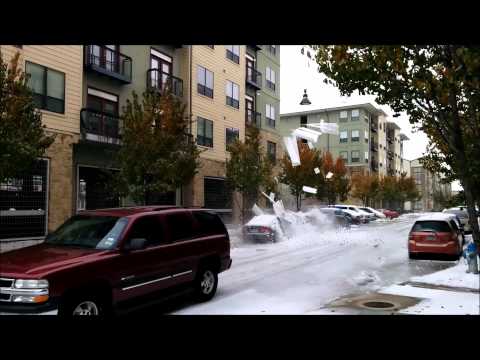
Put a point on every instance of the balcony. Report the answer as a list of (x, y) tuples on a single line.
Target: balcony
[(254, 78), (108, 62), (373, 145), (161, 81), (99, 127), (374, 128), (374, 165), (253, 118)]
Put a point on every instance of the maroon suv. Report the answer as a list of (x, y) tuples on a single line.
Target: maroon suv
[(102, 261)]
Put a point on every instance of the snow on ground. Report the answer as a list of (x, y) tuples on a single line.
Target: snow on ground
[(455, 276), (437, 302), (315, 265)]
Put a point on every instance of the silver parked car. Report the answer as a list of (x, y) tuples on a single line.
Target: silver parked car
[(462, 214)]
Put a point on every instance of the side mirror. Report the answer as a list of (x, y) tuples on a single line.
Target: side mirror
[(136, 244)]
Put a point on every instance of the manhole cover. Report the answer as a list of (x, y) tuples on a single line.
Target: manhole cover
[(378, 305)]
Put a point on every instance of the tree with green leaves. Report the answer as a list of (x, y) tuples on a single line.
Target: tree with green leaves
[(439, 89), (248, 169), (22, 136), (302, 175), (157, 153)]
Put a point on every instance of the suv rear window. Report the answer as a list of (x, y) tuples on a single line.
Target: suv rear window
[(180, 226), (438, 226), (209, 223)]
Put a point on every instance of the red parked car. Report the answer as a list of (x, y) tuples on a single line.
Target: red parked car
[(113, 259), (391, 214), (436, 234)]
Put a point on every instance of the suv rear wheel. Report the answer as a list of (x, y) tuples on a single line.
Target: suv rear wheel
[(206, 283)]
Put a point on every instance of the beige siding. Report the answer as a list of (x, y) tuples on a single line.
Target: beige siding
[(67, 59), (382, 140), (215, 109)]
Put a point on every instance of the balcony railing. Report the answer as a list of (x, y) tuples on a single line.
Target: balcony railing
[(374, 128), (109, 62), (253, 118), (373, 145), (100, 127), (161, 81), (254, 78)]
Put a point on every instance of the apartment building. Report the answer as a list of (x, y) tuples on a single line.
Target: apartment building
[(362, 141), (210, 79), (41, 200), (427, 184)]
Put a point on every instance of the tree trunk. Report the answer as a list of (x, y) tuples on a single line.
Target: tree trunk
[(472, 213), (298, 202)]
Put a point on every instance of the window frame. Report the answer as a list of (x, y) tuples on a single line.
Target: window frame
[(343, 140), (343, 119), (230, 100), (356, 138), (355, 159), (44, 97), (203, 89), (204, 137), (272, 155), (357, 117), (268, 78), (230, 53), (227, 137), (270, 121)]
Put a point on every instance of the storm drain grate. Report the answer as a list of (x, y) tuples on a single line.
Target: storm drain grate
[(378, 305)]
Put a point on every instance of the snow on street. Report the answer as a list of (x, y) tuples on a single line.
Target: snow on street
[(312, 268)]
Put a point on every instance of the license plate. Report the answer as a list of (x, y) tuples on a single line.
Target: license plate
[(430, 237)]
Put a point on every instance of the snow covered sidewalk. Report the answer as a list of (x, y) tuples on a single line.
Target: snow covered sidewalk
[(452, 291)]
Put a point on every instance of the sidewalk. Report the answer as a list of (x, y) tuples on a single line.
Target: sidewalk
[(452, 291)]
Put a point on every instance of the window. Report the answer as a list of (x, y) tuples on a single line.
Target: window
[(208, 223), (303, 121), (270, 78), (272, 151), (48, 87), (366, 136), (355, 156), (12, 184), (343, 136), (204, 132), (343, 116), (231, 134), (233, 53), (355, 115), (233, 94), (272, 49), (355, 135), (204, 81), (180, 226), (149, 228), (270, 115), (366, 156), (216, 193), (344, 155), (250, 111)]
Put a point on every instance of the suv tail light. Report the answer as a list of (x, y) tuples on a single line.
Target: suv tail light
[(264, 229), (410, 236)]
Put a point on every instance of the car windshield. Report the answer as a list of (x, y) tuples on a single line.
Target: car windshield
[(93, 232), (435, 226)]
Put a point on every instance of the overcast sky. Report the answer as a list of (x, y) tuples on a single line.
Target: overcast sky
[(298, 73)]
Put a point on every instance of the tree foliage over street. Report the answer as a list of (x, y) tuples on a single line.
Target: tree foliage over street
[(157, 154), (304, 174), (249, 170), (439, 89), (387, 189), (22, 136)]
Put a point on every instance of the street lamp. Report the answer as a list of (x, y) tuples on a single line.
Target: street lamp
[(305, 100)]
